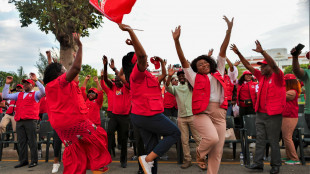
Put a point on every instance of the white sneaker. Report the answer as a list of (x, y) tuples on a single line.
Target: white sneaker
[(146, 166), (55, 167)]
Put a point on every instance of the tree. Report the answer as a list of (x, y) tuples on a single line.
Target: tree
[(289, 69), (88, 70), (62, 18), (42, 63)]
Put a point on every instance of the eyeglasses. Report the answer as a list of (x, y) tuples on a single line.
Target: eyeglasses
[(91, 92)]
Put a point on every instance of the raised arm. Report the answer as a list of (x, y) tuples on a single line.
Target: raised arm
[(171, 71), (176, 36), (163, 69), (5, 90), (95, 78), (139, 50), (231, 66), (242, 59), (267, 57), (227, 37), (41, 93), (105, 70), (299, 72), (85, 81), (77, 63)]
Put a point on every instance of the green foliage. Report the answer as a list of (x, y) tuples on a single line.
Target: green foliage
[(61, 17), (240, 70), (17, 77), (289, 69), (87, 70), (41, 64)]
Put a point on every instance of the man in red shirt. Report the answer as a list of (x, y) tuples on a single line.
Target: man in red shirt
[(121, 110), (94, 100), (271, 100)]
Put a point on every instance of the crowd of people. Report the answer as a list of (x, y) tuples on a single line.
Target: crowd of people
[(200, 95)]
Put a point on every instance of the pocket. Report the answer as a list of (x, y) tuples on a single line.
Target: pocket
[(151, 82), (83, 108), (155, 104)]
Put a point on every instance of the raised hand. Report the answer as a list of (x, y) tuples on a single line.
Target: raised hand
[(259, 48), (102, 73), (237, 63), (33, 77), (171, 71), (229, 23), (49, 57), (9, 79), (210, 52), (105, 60), (124, 27), (87, 77), (176, 33), (76, 38), (234, 48), (95, 78), (112, 66), (129, 42), (294, 54)]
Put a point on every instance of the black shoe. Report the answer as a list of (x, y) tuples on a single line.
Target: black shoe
[(275, 170), (255, 167), (123, 164), (32, 165), (21, 164), (140, 172)]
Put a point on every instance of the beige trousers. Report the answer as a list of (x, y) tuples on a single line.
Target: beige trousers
[(184, 123), (212, 127), (5, 121), (288, 126)]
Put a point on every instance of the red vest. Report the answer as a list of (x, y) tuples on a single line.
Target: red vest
[(43, 106), (65, 108), (291, 108), (252, 87), (229, 87), (11, 108), (146, 98), (201, 92), (275, 98), (169, 100), (26, 108)]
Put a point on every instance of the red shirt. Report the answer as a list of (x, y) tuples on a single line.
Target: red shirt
[(43, 106), (94, 106), (291, 107), (110, 95), (146, 98), (121, 100), (244, 94), (66, 105), (169, 100)]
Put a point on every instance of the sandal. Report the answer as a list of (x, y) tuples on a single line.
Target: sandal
[(202, 165)]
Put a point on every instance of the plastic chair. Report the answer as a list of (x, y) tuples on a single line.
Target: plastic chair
[(44, 117), (231, 124), (45, 135), (303, 136), (4, 140)]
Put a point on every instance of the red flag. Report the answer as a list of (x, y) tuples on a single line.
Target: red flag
[(113, 9)]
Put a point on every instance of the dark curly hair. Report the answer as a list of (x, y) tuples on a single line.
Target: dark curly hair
[(51, 72), (127, 65), (209, 59)]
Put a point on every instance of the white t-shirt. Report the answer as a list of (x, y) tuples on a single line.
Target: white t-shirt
[(216, 89)]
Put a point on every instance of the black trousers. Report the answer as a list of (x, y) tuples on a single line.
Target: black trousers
[(26, 134), (120, 123), (56, 144)]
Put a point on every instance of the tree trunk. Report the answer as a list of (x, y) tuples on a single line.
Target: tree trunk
[(66, 56)]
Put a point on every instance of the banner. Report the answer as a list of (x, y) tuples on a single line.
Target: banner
[(113, 9)]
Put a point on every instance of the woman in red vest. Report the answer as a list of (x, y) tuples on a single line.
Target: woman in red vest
[(209, 101), (147, 105), (290, 117), (86, 144), (246, 95)]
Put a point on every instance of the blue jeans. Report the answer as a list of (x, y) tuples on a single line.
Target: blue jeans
[(151, 128)]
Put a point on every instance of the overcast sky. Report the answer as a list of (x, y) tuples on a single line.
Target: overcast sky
[(275, 23)]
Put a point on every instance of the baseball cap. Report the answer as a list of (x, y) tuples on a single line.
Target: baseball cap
[(20, 85), (29, 81), (246, 72), (263, 62), (155, 62), (93, 89), (289, 77)]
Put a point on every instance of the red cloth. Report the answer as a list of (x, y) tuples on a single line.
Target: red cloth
[(86, 144), (271, 96), (122, 100), (169, 100), (1, 111), (43, 106), (113, 10), (94, 106), (229, 87), (146, 98), (201, 92), (66, 105), (109, 93), (247, 91), (11, 107), (291, 107), (26, 108)]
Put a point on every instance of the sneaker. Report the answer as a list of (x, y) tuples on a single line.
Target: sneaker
[(284, 159), (55, 167), (291, 162), (146, 166), (186, 165)]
